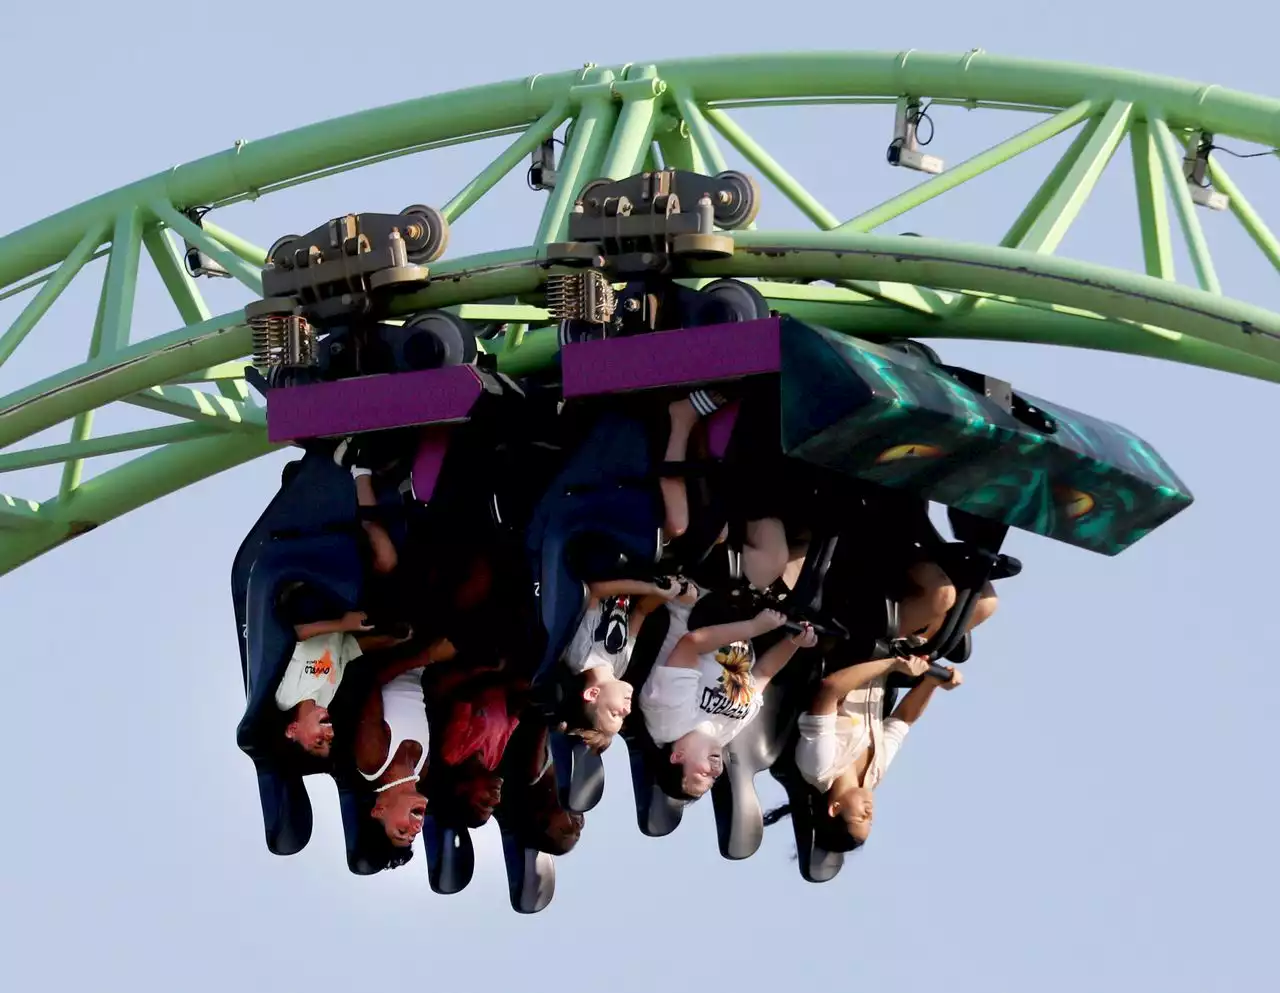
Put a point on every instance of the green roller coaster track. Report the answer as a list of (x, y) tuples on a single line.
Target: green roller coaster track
[(622, 119)]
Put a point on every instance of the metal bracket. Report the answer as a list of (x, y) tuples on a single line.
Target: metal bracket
[(198, 263), (638, 225), (904, 150), (344, 267), (1195, 168)]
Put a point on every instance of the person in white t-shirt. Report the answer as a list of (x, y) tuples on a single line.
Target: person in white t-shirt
[(393, 740), (709, 689), (323, 650), (846, 745), (601, 651)]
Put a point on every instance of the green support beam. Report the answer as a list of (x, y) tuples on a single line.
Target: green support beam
[(249, 275), (106, 379), (499, 168), (1063, 206), (245, 250), (257, 165), (1201, 261), (617, 115), (983, 162), (82, 423), (771, 169), (217, 411), (128, 487), (1248, 217), (592, 130), (633, 133), (112, 444), (704, 140), (173, 273), (17, 514), (52, 289), (1153, 211), (122, 278), (679, 151)]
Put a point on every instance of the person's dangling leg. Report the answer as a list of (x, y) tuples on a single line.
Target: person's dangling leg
[(985, 607), (684, 414), (765, 553), (922, 611)]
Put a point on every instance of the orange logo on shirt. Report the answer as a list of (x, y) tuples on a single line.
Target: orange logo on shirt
[(323, 666)]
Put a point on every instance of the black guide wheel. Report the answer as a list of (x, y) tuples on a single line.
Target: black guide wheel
[(744, 200), (595, 184), (277, 252), (425, 232), (742, 300), (919, 350), (438, 338)]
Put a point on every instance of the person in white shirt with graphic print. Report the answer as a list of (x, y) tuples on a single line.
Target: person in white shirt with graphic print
[(321, 654), (601, 651), (702, 696), (846, 745)]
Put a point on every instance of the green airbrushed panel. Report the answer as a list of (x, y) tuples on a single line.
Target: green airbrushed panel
[(890, 418)]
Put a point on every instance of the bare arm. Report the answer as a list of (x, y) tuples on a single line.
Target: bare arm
[(605, 588), (839, 685), (364, 491), (914, 703), (353, 622), (437, 651), (772, 662), (646, 606), (372, 737)]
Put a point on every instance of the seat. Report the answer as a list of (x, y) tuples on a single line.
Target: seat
[(816, 865), (598, 519), (738, 814), (531, 876), (529, 801), (657, 814), (451, 856), (306, 534), (579, 772)]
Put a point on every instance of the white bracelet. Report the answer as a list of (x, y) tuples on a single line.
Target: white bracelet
[(357, 472)]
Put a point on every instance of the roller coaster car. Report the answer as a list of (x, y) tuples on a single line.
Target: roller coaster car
[(307, 534)]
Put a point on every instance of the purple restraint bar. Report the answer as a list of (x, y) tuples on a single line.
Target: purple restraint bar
[(671, 358), (372, 403)]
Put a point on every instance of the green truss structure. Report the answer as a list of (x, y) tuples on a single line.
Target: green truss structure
[(621, 120)]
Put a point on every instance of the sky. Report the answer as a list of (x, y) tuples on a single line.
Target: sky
[(1094, 809)]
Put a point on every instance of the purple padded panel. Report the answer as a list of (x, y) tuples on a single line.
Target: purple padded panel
[(720, 429), (671, 358), (432, 449), (372, 403)]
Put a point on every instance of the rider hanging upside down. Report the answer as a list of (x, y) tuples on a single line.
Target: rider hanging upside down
[(912, 568), (323, 651), (392, 742), (601, 650), (709, 689), (846, 745)]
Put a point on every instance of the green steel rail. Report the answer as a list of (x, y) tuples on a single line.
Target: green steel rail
[(623, 119)]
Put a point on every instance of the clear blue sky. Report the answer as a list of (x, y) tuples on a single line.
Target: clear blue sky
[(1094, 810)]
